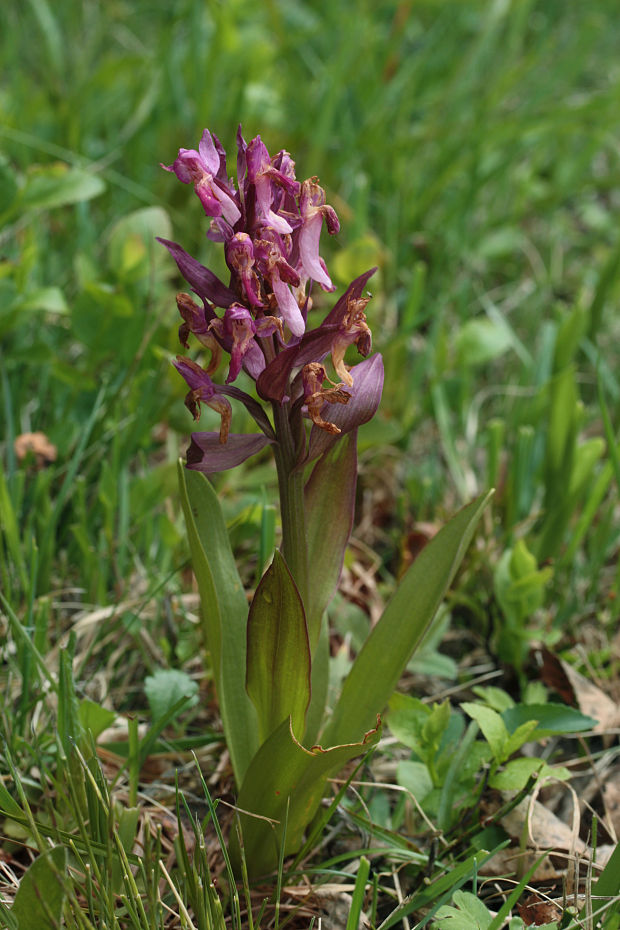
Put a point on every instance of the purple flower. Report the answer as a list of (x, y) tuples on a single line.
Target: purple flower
[(238, 329), (202, 389), (203, 169), (313, 209)]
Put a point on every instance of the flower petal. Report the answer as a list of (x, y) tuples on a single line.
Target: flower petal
[(288, 306), (208, 455), (208, 153)]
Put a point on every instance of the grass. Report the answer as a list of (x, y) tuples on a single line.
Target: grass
[(471, 151)]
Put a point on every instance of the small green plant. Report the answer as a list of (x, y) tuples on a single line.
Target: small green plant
[(270, 664)]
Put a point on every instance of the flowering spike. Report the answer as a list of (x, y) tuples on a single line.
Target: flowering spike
[(270, 227)]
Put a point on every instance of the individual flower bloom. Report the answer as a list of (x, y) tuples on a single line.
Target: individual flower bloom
[(240, 259), (260, 174), (353, 329), (206, 284), (273, 382), (365, 396), (202, 390), (203, 169), (313, 375), (195, 322), (237, 330), (313, 209), (274, 267)]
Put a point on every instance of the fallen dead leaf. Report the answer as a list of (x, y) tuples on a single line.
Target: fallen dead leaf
[(579, 691)]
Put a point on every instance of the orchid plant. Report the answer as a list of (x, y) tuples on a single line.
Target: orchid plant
[(270, 662)]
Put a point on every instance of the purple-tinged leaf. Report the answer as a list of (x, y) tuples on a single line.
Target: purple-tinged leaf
[(365, 398), (252, 406), (329, 503), (206, 284), (278, 656), (208, 455)]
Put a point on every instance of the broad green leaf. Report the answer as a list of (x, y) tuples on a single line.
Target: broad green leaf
[(94, 717), (515, 774), (496, 698), (415, 777), (522, 735), (552, 719), (286, 782), (319, 686), (407, 617), (329, 503), (278, 661), (58, 185), (132, 245), (480, 341), (165, 687), (48, 299), (39, 900), (224, 613), (468, 913), (492, 726)]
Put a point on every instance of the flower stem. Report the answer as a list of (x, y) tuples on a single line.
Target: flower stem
[(291, 488)]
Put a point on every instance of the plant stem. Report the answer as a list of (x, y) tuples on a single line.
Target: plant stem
[(291, 488)]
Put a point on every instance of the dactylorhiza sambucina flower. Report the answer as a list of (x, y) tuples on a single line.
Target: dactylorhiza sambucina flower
[(270, 226)]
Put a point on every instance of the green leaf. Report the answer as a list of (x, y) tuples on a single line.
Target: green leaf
[(58, 185), (492, 726), (165, 687), (480, 341), (224, 613), (552, 719), (415, 777), (329, 504), (607, 885), (469, 913), (39, 900), (132, 245), (94, 717), (285, 783), (515, 774), (47, 299), (522, 735), (496, 698), (278, 661), (407, 617)]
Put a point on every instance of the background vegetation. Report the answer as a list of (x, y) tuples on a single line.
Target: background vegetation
[(472, 152)]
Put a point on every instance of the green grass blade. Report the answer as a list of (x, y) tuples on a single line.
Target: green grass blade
[(359, 891)]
